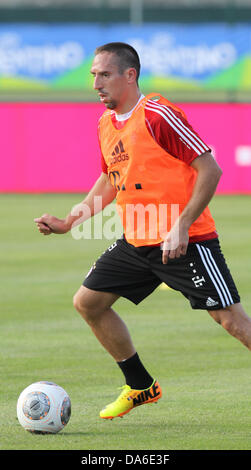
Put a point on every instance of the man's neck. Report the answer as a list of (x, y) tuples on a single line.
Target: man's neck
[(125, 115), (128, 102)]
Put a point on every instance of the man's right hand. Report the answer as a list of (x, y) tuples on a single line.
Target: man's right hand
[(48, 224)]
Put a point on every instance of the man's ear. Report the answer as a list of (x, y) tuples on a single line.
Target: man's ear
[(131, 75)]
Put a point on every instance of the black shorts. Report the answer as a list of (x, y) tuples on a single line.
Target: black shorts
[(201, 275)]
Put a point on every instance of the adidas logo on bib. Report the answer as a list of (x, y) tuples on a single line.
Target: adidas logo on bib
[(211, 302)]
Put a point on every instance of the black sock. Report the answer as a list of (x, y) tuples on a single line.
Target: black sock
[(136, 375)]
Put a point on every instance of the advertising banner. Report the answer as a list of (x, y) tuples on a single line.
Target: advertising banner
[(173, 56), (50, 147)]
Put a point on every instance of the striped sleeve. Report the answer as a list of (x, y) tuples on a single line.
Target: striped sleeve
[(172, 132), (103, 162), (103, 165)]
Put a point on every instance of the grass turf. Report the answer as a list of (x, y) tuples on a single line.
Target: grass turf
[(204, 372)]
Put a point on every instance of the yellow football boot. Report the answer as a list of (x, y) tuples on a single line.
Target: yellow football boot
[(129, 399)]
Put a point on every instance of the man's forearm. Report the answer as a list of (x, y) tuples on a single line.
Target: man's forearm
[(206, 183), (98, 197)]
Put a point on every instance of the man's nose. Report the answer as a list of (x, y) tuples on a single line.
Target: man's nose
[(97, 83)]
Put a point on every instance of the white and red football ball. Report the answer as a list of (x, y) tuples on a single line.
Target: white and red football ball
[(43, 407)]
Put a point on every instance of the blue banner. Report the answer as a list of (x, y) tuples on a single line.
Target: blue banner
[(194, 56)]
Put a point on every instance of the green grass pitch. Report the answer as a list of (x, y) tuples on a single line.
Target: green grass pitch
[(204, 372)]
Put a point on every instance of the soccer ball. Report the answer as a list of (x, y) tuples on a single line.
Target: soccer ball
[(43, 408)]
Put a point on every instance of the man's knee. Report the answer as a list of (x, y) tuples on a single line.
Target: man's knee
[(222, 317), (232, 318), (77, 302), (84, 302), (90, 304), (235, 320)]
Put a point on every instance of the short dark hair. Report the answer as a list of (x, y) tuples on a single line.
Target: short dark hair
[(127, 55)]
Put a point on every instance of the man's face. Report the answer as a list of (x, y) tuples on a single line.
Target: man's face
[(112, 86)]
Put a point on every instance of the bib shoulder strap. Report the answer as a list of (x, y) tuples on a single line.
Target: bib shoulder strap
[(159, 99)]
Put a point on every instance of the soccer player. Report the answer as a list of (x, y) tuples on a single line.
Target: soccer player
[(163, 176)]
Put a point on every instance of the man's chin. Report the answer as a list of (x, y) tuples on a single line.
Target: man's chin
[(110, 105)]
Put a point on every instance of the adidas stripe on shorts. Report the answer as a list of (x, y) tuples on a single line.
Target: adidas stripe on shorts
[(201, 275)]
